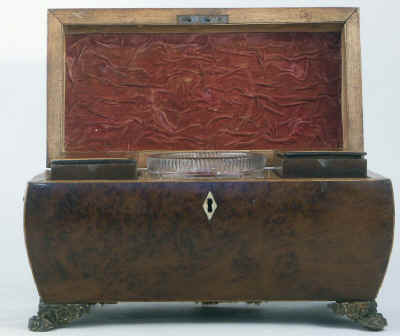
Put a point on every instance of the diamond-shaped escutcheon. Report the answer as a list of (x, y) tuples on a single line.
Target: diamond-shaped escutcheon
[(209, 205)]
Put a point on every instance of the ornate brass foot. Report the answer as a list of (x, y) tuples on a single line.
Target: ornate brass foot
[(51, 316), (362, 312)]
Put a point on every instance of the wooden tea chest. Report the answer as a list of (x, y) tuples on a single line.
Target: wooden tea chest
[(124, 84)]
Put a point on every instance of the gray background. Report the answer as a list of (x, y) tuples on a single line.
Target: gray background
[(23, 149)]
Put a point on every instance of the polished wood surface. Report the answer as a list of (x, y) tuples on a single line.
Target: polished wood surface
[(168, 16), (322, 167), (321, 164), (269, 239), (93, 169), (352, 112)]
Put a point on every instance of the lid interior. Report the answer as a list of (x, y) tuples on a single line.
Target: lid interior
[(129, 92)]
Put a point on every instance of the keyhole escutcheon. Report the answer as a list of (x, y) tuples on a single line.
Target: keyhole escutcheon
[(209, 205)]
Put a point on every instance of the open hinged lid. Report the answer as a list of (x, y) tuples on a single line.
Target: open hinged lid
[(128, 82)]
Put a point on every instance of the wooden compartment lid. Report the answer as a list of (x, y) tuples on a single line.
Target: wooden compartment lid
[(128, 82)]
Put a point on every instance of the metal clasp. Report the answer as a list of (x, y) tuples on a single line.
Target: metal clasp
[(202, 19)]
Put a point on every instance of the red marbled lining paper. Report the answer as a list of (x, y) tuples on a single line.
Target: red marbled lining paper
[(192, 91)]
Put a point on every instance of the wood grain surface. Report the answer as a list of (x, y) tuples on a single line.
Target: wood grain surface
[(143, 16), (269, 239)]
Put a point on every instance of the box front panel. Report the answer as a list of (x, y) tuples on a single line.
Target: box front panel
[(202, 91), (152, 241)]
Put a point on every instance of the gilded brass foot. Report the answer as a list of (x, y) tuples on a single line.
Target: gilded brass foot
[(51, 316), (362, 312)]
